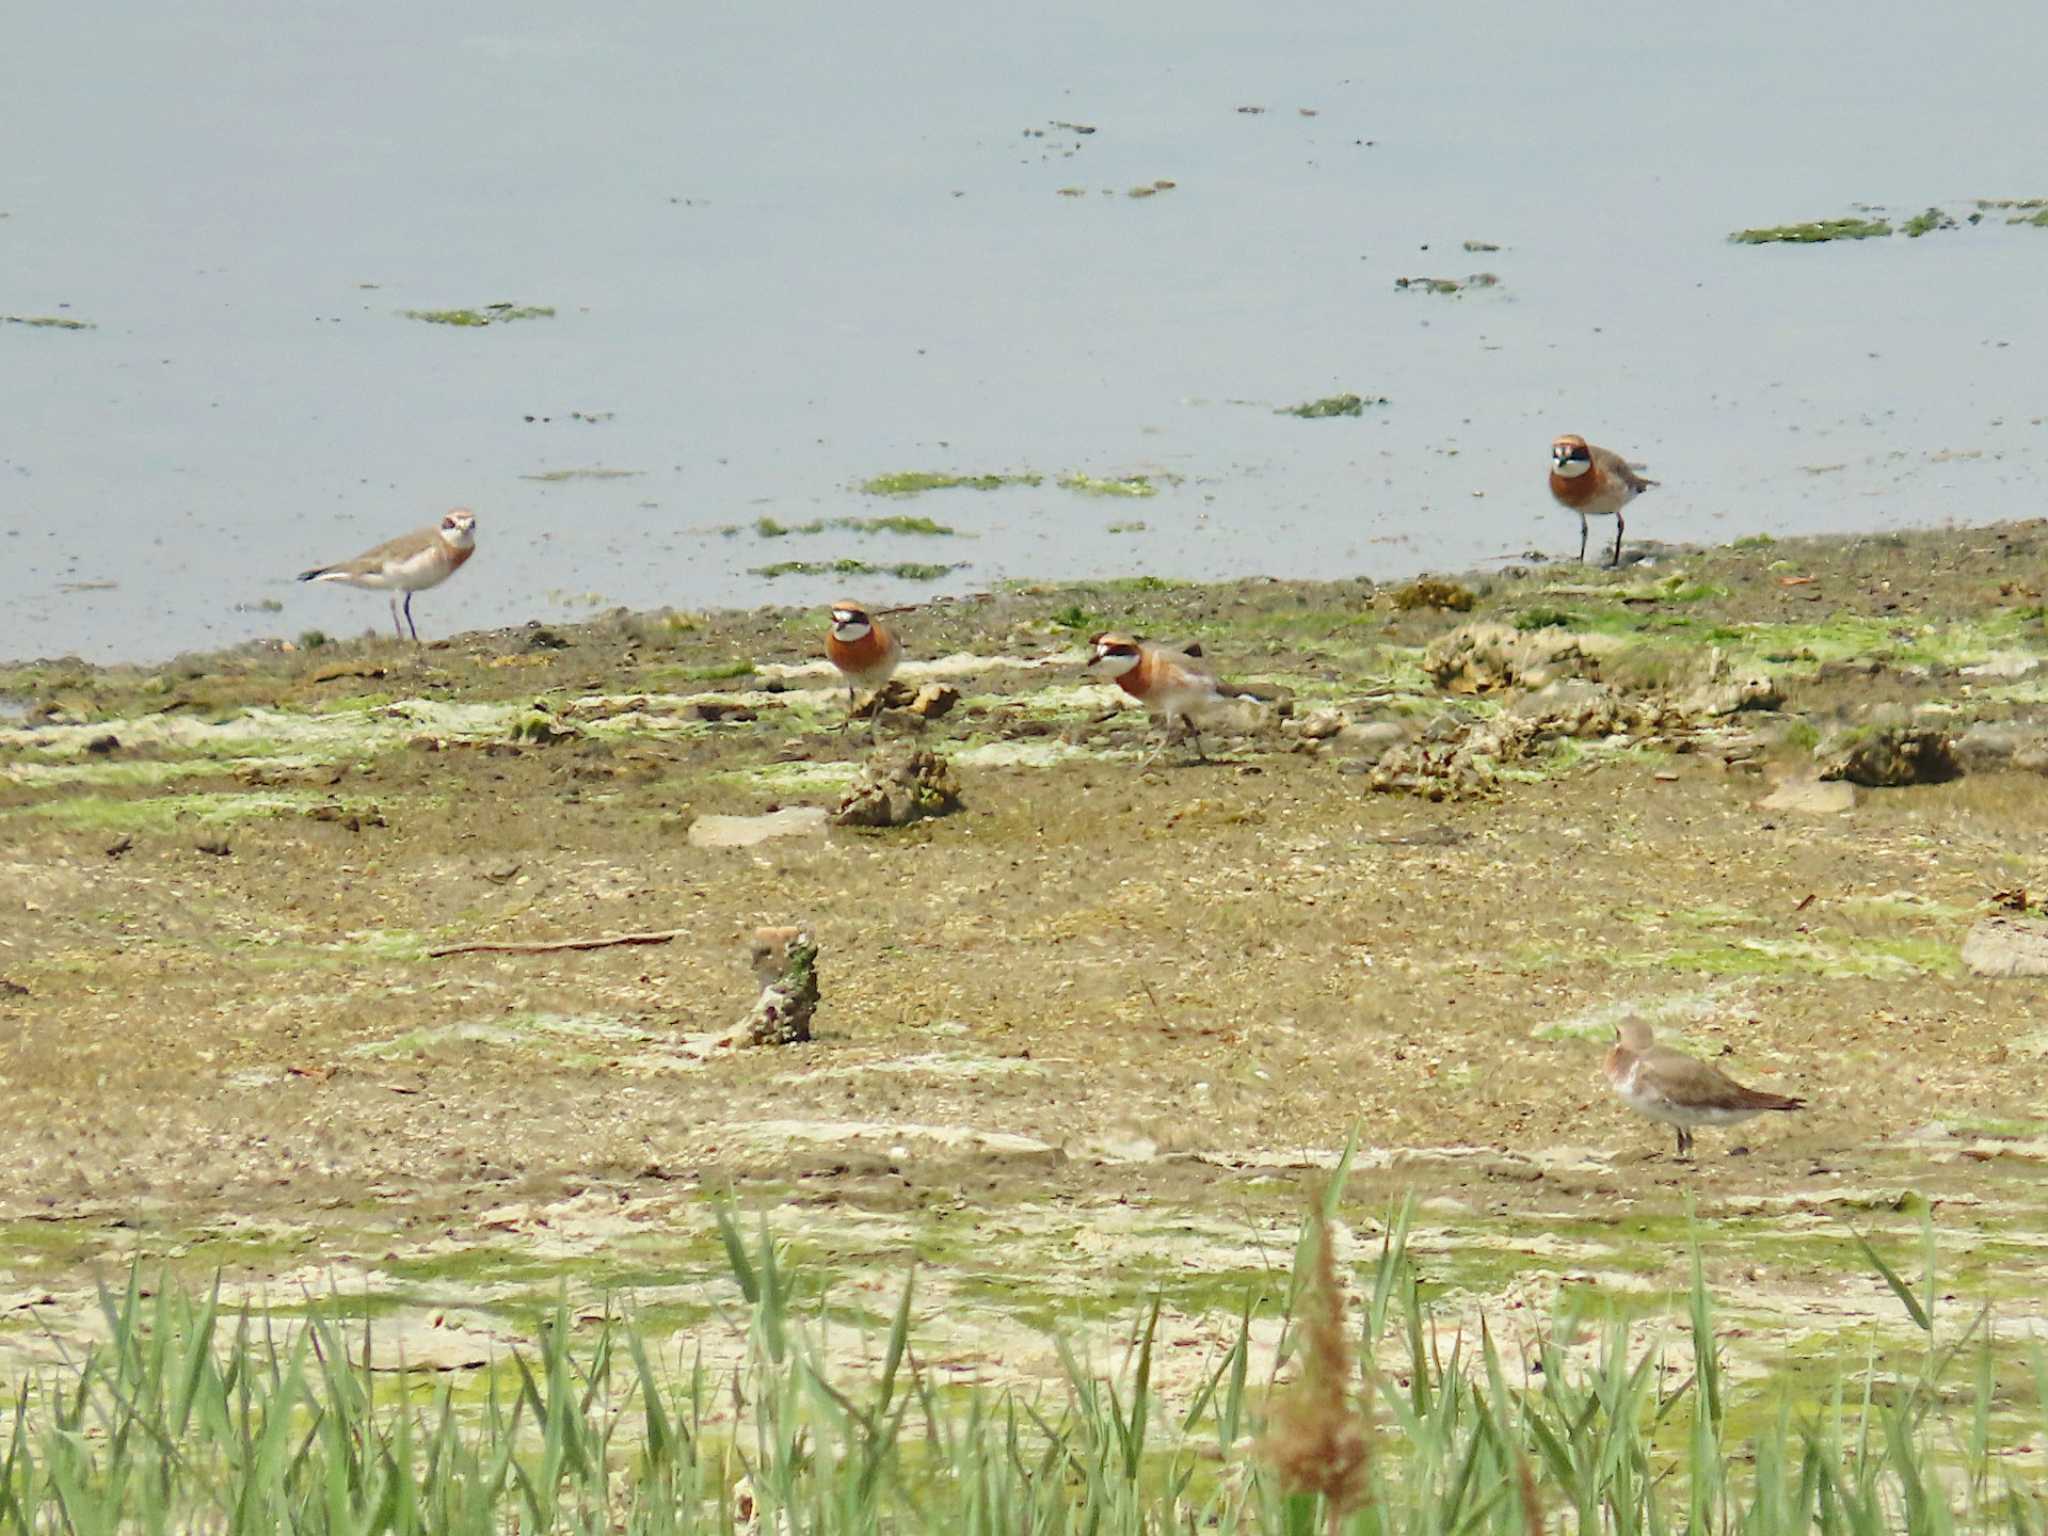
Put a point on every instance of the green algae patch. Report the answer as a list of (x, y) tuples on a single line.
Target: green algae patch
[(1433, 592), (1331, 405), (1447, 285), (1851, 957), (902, 570), (488, 314), (163, 812), (1116, 485), (769, 528), (792, 778), (915, 482), (1812, 232), (50, 322), (1925, 223), (593, 472)]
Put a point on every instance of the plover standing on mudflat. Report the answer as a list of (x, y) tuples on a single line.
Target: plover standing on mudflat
[(410, 563), (1681, 1090), (1593, 482), (866, 654), (1175, 686)]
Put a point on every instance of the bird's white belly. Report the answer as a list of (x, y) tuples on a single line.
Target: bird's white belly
[(1646, 1099)]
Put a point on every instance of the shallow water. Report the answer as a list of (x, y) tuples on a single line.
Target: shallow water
[(790, 249)]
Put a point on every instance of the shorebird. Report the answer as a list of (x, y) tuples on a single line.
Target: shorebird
[(1681, 1090), (1174, 685), (1593, 482), (410, 563), (865, 653)]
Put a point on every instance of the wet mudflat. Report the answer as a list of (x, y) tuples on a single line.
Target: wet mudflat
[(1094, 1034)]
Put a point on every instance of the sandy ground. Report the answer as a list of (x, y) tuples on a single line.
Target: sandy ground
[(1097, 1033)]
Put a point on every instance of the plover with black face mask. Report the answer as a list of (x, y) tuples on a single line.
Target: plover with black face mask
[(1682, 1090), (1177, 687), (1593, 482), (410, 563), (865, 653)]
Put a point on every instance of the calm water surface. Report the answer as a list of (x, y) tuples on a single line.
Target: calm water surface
[(792, 246)]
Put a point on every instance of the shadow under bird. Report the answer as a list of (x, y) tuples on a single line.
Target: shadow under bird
[(1682, 1090), (1176, 686), (865, 653), (409, 563), (1593, 482)]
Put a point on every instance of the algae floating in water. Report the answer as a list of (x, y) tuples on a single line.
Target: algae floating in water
[(594, 472), (50, 322), (1116, 485), (895, 522), (915, 482), (1922, 223), (488, 314), (1331, 405), (1813, 232), (903, 570)]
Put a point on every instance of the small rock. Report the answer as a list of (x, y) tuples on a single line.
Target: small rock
[(1728, 696), (1989, 746), (1570, 706), (1433, 592), (1321, 725), (1810, 796), (1369, 742), (217, 846), (120, 845), (101, 746), (715, 710), (746, 831), (2007, 946), (934, 700), (896, 793), (1891, 756), (12, 988), (2005, 666)]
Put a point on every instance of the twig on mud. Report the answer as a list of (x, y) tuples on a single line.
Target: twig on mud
[(554, 944)]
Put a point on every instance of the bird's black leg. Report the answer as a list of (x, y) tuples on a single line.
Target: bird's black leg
[(1617, 539), (408, 620), (1583, 527), (395, 629)]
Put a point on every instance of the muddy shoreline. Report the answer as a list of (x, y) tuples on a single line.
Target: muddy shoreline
[(1096, 1031)]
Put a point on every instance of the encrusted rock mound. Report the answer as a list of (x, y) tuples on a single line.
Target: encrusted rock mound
[(1891, 756), (786, 962), (1484, 657), (898, 791)]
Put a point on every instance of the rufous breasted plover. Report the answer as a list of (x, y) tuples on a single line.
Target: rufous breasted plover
[(1593, 482), (410, 563), (865, 652), (1681, 1090), (1176, 686)]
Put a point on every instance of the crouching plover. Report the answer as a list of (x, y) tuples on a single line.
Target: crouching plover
[(1593, 482), (1681, 1090), (1176, 687), (410, 563), (865, 653)]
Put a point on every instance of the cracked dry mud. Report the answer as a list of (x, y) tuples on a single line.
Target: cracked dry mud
[(1092, 1035)]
